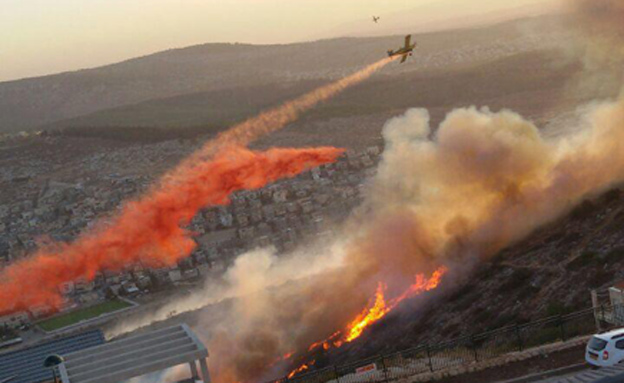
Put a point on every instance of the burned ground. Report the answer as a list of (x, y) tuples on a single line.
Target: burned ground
[(549, 273)]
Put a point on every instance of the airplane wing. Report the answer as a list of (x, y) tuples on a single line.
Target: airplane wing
[(403, 59), (408, 41)]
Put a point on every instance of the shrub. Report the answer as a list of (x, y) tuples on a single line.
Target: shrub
[(557, 308), (583, 211), (542, 336), (585, 259), (615, 255), (601, 277), (515, 280), (528, 292), (611, 195)]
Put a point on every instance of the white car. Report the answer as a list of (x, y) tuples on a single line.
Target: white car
[(606, 349)]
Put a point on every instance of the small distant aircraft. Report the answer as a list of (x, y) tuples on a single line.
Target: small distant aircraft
[(404, 51), (376, 19)]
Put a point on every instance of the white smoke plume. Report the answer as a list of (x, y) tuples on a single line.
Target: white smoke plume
[(489, 178), (446, 197)]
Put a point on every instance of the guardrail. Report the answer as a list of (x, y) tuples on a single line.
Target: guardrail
[(427, 358)]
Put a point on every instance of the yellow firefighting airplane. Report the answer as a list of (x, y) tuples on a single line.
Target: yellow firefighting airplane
[(404, 51)]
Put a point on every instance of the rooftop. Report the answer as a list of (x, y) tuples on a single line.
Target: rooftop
[(610, 334), (135, 356), (26, 365)]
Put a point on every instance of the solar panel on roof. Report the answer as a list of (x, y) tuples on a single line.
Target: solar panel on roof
[(27, 364)]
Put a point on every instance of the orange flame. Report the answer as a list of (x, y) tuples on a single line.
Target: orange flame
[(379, 308), (299, 369), (421, 285), (369, 316), (327, 343)]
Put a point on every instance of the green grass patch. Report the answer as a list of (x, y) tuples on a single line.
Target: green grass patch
[(73, 317)]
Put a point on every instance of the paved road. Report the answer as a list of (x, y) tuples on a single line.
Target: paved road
[(605, 374), (560, 377), (551, 375)]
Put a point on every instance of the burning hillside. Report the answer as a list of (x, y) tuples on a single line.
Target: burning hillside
[(444, 199), (378, 307), (450, 199)]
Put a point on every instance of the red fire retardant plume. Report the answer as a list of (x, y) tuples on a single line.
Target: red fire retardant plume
[(150, 230)]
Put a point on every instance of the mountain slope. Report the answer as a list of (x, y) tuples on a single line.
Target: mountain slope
[(32, 103)]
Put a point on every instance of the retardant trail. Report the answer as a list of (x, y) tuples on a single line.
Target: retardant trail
[(150, 230), (277, 118)]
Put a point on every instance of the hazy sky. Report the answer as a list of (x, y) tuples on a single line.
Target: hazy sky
[(40, 37)]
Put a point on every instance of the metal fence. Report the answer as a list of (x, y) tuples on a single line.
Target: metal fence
[(462, 351)]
